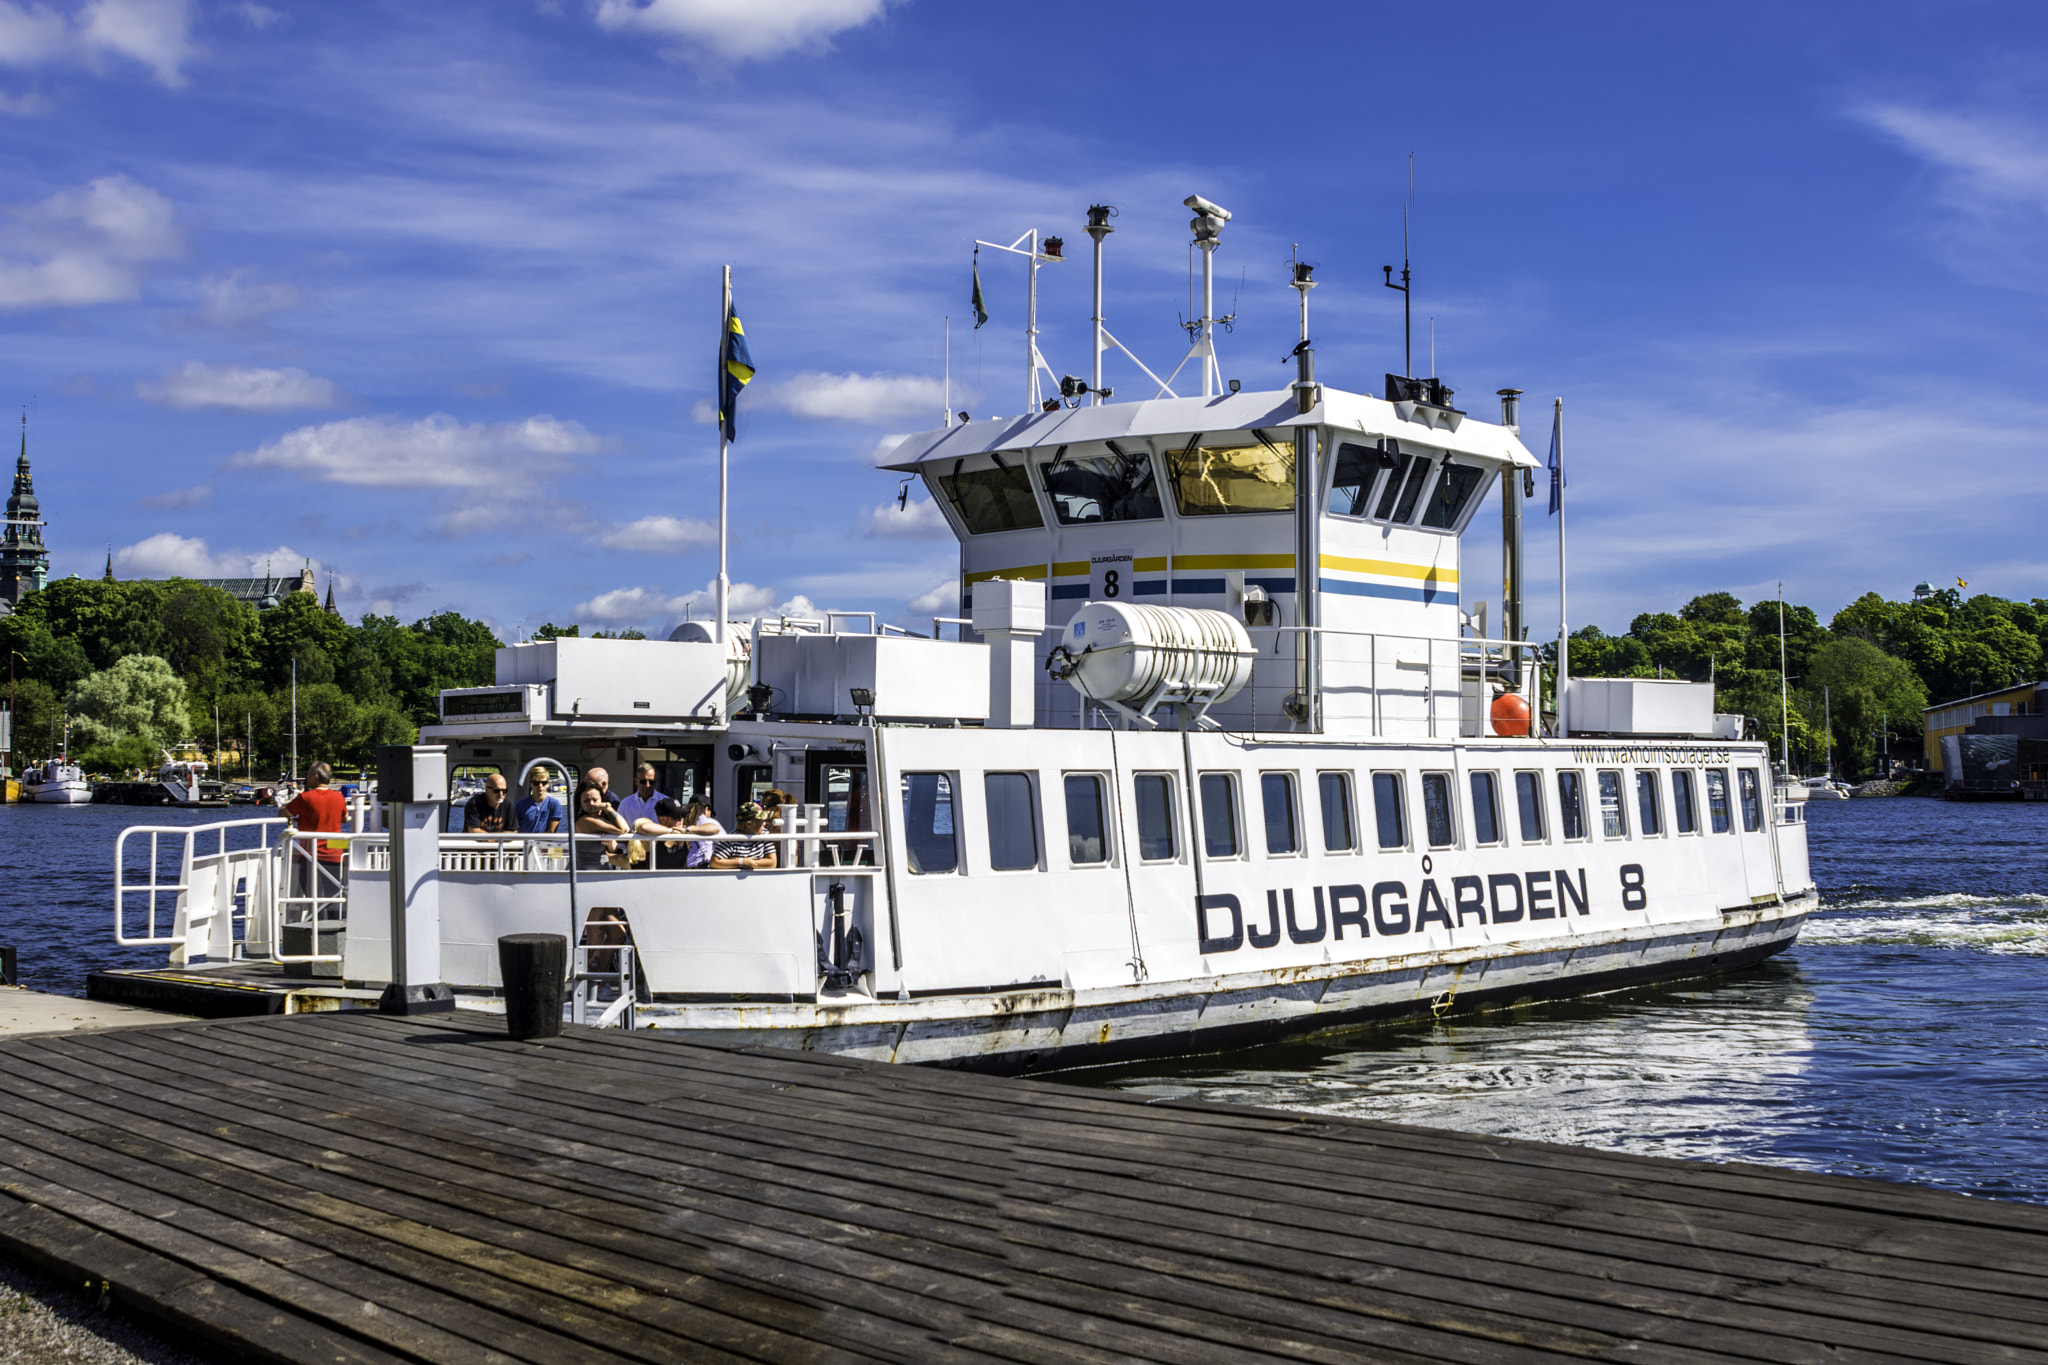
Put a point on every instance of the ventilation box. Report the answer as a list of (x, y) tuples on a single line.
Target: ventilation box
[(908, 678), (1647, 707), (621, 680)]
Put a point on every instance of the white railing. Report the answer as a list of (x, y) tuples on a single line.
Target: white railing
[(849, 851), (207, 892), (1466, 653)]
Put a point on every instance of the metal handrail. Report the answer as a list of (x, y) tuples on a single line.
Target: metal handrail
[(154, 888)]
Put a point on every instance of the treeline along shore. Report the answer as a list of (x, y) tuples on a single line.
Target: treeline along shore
[(136, 666), (1876, 665)]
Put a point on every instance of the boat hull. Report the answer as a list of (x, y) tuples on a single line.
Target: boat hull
[(1020, 1031), (57, 793)]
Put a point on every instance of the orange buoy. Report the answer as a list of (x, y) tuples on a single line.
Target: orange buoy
[(1510, 714)]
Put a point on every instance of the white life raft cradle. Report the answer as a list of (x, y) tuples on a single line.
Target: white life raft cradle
[(1131, 659)]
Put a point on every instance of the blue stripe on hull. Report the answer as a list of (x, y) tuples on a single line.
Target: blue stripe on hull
[(1348, 588)]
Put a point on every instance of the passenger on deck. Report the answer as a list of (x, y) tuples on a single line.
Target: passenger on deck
[(537, 812), (748, 853), (671, 852), (318, 809), (490, 810), (603, 782), (773, 805), (698, 819), (593, 816), (639, 804)]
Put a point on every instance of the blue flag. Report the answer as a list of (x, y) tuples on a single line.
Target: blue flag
[(735, 369), (1556, 460)]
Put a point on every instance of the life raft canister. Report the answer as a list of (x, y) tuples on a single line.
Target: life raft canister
[(1510, 714)]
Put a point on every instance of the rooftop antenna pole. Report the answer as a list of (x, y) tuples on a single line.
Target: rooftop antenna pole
[(1407, 314), (1098, 228), (1564, 638), (1208, 229), (948, 414), (724, 583), (1033, 361), (1302, 284), (1784, 688)]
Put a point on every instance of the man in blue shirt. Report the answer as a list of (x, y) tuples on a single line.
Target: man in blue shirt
[(537, 812), (640, 803)]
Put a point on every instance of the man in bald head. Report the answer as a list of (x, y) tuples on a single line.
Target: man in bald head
[(603, 781)]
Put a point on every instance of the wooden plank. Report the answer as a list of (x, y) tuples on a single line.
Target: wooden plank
[(869, 1269), (666, 1191)]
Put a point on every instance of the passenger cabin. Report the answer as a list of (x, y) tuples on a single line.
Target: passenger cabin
[(1193, 502)]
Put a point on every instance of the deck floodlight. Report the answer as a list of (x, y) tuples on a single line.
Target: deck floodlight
[(863, 697), (1235, 385)]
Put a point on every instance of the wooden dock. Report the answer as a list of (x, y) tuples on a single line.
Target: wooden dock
[(346, 1187)]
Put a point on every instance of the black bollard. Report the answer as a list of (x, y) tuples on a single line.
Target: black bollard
[(10, 974), (534, 967)]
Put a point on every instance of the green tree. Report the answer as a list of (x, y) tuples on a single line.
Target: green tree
[(209, 637), (1863, 687), (38, 712), (140, 697), (56, 661), (300, 631)]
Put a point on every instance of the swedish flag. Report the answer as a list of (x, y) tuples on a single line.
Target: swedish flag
[(735, 369)]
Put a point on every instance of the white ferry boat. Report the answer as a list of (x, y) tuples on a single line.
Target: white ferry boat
[(1222, 753), (56, 781)]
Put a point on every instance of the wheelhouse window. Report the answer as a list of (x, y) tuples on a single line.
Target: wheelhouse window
[(1358, 469), (1088, 489), (1087, 827), (1485, 809), (1649, 818), (929, 830), (1012, 822), (1453, 491), (1339, 833), (1276, 797), (997, 499), (1683, 812), (1717, 799), (1613, 815), (1219, 815), (1571, 803), (1752, 800), (1387, 810), (1529, 806), (1409, 480), (1208, 480), (1153, 796), (1436, 810)]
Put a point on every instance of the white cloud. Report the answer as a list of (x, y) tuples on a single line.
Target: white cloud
[(156, 33), (1993, 186), (233, 300), (662, 535), (942, 600), (918, 520), (741, 29), (433, 452), (868, 399), (181, 499), (241, 388), (655, 610), (258, 17), (170, 555), (86, 245)]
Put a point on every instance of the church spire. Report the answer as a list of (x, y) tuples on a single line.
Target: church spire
[(109, 575), (24, 559), (330, 595)]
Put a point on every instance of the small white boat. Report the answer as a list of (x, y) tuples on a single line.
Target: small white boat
[(57, 782), (1824, 789)]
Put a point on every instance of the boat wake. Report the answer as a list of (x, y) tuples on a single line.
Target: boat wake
[(2013, 924)]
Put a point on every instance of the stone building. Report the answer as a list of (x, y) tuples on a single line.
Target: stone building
[(24, 559)]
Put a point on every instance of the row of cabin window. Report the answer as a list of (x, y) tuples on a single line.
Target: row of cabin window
[(1122, 486), (932, 826)]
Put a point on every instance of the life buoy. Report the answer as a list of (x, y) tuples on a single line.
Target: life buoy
[(1510, 714)]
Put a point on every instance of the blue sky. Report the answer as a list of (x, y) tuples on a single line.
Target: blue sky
[(428, 294)]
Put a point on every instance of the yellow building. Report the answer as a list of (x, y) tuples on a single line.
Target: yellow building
[(1955, 717)]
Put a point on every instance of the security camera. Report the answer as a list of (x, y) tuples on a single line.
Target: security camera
[(1205, 208)]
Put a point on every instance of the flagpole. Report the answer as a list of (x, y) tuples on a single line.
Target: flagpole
[(718, 390), (1564, 728)]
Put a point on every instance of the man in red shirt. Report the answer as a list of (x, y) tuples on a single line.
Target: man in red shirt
[(319, 809)]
